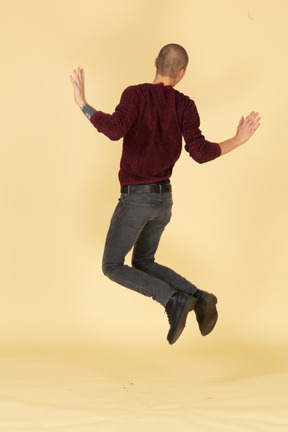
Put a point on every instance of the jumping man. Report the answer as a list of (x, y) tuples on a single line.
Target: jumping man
[(152, 118)]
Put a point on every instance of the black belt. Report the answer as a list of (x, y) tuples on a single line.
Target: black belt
[(152, 188)]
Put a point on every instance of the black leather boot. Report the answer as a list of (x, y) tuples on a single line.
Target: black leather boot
[(177, 310), (206, 312)]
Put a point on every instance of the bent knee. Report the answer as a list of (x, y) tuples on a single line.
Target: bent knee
[(109, 269)]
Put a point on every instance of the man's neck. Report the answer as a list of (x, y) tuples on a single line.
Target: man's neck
[(166, 80)]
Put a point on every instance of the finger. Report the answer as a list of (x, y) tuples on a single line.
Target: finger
[(249, 117), (76, 78), (257, 122), (75, 75), (255, 119), (254, 128), (73, 81), (252, 120), (253, 116), (80, 76)]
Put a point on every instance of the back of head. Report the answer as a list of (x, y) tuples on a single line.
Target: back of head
[(171, 59)]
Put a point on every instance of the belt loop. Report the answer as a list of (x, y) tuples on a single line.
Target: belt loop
[(160, 188), (128, 191)]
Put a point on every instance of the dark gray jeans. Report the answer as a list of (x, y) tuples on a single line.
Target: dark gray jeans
[(139, 220)]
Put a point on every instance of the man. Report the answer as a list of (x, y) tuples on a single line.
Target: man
[(153, 118)]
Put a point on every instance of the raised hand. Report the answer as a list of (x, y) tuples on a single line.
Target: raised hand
[(78, 83), (247, 126)]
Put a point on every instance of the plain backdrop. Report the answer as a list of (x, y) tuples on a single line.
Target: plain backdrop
[(59, 183)]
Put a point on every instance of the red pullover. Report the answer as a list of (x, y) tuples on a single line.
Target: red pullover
[(152, 118)]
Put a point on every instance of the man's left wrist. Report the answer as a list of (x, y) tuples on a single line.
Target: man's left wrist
[(81, 104), (87, 110)]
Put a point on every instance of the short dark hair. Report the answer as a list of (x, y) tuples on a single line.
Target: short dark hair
[(171, 59)]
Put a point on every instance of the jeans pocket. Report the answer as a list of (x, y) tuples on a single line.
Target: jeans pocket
[(143, 199)]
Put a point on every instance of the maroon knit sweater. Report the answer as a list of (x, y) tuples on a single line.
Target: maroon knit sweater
[(152, 118)]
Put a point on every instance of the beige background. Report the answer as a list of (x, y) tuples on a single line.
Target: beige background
[(59, 180), (78, 352)]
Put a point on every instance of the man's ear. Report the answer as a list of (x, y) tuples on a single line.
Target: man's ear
[(156, 62), (182, 72)]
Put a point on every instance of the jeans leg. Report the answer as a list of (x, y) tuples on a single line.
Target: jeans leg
[(144, 254), (128, 221)]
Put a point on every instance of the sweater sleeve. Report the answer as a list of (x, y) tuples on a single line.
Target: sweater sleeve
[(116, 125), (197, 146)]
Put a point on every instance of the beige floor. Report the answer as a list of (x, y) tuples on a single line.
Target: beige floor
[(123, 389)]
